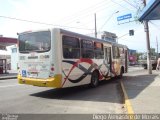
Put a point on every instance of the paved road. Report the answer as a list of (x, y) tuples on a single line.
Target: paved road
[(15, 98)]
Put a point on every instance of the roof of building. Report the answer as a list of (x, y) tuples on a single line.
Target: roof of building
[(5, 41)]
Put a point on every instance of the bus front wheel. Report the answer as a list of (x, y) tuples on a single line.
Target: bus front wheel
[(95, 79)]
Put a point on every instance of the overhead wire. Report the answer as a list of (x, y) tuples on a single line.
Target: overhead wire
[(96, 11), (154, 25), (111, 14), (93, 10), (84, 11), (37, 22), (90, 9), (98, 18), (107, 20), (120, 5), (130, 4), (88, 14)]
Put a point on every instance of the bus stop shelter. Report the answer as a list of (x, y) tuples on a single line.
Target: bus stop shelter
[(151, 11), (4, 42)]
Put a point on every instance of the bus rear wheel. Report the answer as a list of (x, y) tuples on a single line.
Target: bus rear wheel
[(94, 79)]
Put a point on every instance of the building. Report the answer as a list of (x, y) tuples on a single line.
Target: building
[(5, 63), (108, 36), (14, 58), (5, 60)]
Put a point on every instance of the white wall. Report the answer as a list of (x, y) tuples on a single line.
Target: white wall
[(14, 58)]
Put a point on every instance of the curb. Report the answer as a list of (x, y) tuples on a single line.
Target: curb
[(126, 100), (9, 77)]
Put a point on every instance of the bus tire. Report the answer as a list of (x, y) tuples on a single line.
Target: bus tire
[(94, 79)]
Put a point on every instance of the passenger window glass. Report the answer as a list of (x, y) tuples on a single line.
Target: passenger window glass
[(98, 50), (71, 47), (116, 53), (87, 49)]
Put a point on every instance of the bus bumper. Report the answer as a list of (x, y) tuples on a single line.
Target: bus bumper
[(50, 82)]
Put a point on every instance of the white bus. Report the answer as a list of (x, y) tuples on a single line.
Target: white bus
[(58, 58)]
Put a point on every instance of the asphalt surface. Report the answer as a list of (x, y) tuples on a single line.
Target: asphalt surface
[(24, 99), (82, 102)]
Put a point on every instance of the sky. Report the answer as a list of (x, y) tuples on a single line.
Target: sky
[(78, 16)]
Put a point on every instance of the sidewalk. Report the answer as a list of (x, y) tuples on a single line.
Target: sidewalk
[(10, 75), (143, 91)]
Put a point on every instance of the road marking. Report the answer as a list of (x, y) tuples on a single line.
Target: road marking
[(8, 86), (127, 102)]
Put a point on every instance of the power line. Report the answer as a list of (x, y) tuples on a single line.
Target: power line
[(120, 5), (88, 15), (108, 20), (154, 25), (77, 14), (130, 4), (50, 24), (123, 35), (37, 22), (93, 10)]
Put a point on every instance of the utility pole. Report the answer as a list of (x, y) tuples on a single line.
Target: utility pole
[(95, 25), (146, 29)]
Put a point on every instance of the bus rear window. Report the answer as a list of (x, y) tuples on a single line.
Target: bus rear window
[(35, 41)]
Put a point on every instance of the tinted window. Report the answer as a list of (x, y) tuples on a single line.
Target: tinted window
[(71, 47), (70, 41), (87, 49), (98, 50)]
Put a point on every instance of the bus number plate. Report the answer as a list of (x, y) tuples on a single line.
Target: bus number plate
[(33, 75)]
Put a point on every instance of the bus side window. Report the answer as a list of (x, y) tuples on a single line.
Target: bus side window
[(98, 50), (109, 55), (121, 51), (116, 53), (71, 47), (87, 49)]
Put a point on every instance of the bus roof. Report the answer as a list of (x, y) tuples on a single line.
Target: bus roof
[(77, 35), (89, 38)]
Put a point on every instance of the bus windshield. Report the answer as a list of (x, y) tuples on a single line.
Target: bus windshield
[(35, 41)]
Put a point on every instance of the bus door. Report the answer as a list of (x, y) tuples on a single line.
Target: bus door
[(107, 57)]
